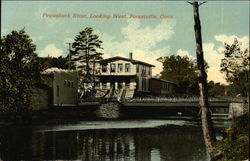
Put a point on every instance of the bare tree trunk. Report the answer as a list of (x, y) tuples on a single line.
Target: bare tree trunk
[(208, 132)]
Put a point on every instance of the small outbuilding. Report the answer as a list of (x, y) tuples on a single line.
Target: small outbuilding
[(64, 84), (162, 87)]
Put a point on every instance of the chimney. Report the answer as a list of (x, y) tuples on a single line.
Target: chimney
[(131, 55)]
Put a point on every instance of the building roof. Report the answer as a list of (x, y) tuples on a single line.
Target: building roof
[(126, 59), (56, 70), (163, 80)]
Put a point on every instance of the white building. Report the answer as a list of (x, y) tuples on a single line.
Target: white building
[(118, 72), (64, 84)]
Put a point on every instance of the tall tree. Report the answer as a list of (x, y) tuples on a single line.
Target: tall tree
[(235, 65), (85, 51), (207, 128), (186, 78), (19, 70)]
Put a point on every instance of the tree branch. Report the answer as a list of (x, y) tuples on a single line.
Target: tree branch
[(190, 2), (202, 3)]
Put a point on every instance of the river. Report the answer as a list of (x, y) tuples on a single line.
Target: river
[(128, 140)]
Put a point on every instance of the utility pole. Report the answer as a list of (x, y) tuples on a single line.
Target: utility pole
[(207, 127), (69, 66)]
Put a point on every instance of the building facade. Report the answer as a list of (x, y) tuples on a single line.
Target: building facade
[(162, 87), (64, 84), (134, 76)]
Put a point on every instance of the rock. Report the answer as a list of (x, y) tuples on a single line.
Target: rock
[(110, 110)]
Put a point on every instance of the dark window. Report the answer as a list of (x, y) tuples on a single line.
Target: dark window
[(57, 90), (149, 84), (72, 84), (112, 67), (143, 70), (65, 83), (127, 67), (144, 84), (137, 68), (68, 83), (104, 68), (127, 82), (120, 67), (104, 84)]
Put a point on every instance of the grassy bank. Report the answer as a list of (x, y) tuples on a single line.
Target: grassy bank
[(235, 144)]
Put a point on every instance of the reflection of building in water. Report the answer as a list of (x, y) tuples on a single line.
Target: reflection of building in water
[(168, 144), (84, 145)]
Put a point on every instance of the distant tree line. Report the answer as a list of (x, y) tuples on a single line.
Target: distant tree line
[(235, 65)]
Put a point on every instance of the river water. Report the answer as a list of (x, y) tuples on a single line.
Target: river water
[(130, 140)]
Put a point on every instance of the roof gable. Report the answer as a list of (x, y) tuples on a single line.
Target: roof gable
[(126, 59)]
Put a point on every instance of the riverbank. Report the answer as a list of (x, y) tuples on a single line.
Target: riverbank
[(235, 144)]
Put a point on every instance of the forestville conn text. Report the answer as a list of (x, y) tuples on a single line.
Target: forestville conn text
[(106, 16)]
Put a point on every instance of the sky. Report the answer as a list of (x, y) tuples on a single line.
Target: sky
[(149, 29)]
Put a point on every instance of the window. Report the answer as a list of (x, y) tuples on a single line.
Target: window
[(72, 84), (112, 67), (137, 68), (120, 67), (104, 84), (127, 82), (127, 67), (65, 83), (57, 90), (144, 84), (143, 70), (68, 83), (149, 70), (104, 68)]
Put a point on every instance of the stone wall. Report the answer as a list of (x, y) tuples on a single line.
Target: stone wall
[(237, 109)]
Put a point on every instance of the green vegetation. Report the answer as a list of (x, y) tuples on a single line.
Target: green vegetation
[(186, 77), (235, 145), (85, 51), (216, 89), (236, 67), (19, 70), (49, 62)]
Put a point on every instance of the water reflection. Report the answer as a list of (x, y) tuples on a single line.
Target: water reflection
[(151, 144)]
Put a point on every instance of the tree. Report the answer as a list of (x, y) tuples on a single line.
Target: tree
[(85, 51), (48, 62), (186, 78), (208, 132), (236, 67), (19, 71), (216, 89)]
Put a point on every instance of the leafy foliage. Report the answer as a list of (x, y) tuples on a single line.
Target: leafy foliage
[(235, 145), (48, 62), (19, 71), (216, 89), (85, 51), (236, 67), (180, 70)]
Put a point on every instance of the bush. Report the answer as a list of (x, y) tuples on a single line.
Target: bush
[(235, 145)]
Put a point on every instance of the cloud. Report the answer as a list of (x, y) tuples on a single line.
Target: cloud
[(214, 55), (230, 39), (213, 58), (184, 53), (50, 50), (141, 40)]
